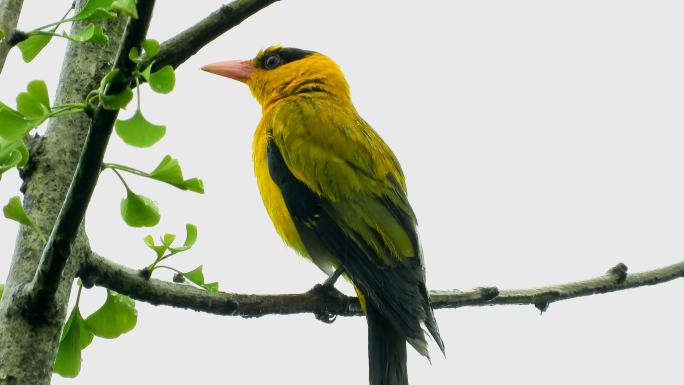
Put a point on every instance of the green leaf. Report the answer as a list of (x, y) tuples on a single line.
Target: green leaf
[(15, 211), (151, 48), (13, 126), (190, 238), (28, 106), (139, 211), (31, 47), (194, 184), (75, 337), (134, 55), (2, 290), (34, 103), (113, 75), (158, 249), (2, 34), (147, 71), (116, 317), (168, 239), (138, 132), (127, 7), (91, 34), (95, 10), (38, 89), (169, 171), (12, 154), (117, 101), (163, 80), (196, 276)]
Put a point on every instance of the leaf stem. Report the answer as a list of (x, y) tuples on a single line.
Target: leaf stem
[(122, 180), (78, 295), (137, 90), (168, 268), (57, 23), (121, 167)]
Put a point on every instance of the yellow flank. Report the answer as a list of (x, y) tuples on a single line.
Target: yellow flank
[(270, 193)]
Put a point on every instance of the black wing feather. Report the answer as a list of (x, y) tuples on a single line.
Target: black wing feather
[(397, 292)]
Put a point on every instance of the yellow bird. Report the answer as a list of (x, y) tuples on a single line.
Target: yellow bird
[(336, 193)]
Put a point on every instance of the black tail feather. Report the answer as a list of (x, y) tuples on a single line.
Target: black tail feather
[(386, 351)]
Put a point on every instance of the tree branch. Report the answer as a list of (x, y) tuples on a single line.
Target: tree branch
[(9, 16), (179, 48), (102, 272), (55, 254)]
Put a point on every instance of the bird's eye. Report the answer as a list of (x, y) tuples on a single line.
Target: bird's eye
[(272, 61)]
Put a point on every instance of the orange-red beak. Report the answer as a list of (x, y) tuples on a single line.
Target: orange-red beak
[(234, 69)]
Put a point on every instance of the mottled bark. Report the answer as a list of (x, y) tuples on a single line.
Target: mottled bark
[(9, 16), (28, 347)]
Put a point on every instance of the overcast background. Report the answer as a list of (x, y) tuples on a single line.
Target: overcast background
[(542, 142)]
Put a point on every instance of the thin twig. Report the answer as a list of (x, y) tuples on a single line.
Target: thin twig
[(179, 48), (42, 288), (102, 272)]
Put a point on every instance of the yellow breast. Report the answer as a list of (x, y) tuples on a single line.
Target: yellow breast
[(270, 193)]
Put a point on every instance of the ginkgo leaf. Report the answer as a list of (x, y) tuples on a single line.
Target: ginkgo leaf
[(117, 101), (127, 7), (196, 276), (91, 34), (31, 47), (12, 154), (163, 80), (169, 171), (138, 132), (13, 125), (95, 10), (139, 211), (76, 336), (190, 238), (116, 317), (15, 211), (34, 103)]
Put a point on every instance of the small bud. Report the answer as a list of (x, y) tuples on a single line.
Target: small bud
[(542, 306), (619, 271), (178, 278), (145, 273)]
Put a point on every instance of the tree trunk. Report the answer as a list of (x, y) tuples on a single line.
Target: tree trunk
[(9, 15), (28, 346)]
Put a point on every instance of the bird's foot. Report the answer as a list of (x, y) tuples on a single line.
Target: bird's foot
[(329, 293)]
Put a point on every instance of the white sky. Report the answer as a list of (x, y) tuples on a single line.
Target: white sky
[(542, 143)]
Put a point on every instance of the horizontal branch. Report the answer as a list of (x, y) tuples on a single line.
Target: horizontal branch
[(326, 304), (179, 48)]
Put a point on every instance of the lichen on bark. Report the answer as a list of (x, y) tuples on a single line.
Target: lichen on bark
[(28, 347)]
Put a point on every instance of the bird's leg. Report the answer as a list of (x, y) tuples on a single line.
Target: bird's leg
[(327, 289), (330, 282)]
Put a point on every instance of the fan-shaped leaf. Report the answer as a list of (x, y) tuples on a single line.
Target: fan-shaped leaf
[(31, 47), (116, 317), (139, 132), (163, 80), (139, 211)]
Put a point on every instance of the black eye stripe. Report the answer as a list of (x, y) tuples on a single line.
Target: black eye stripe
[(283, 56)]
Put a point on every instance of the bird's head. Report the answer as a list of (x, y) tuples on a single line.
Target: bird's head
[(278, 72)]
